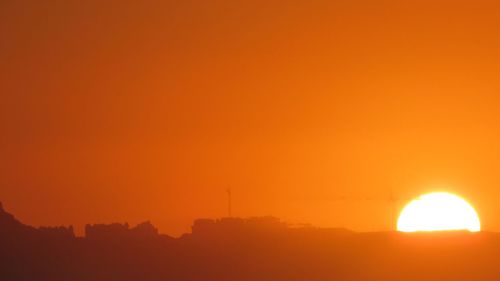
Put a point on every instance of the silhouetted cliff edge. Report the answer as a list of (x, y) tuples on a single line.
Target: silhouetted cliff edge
[(241, 249)]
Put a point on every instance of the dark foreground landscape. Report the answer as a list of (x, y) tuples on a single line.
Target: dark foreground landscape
[(241, 249)]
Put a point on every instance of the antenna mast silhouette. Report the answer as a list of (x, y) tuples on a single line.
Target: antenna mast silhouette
[(229, 202)]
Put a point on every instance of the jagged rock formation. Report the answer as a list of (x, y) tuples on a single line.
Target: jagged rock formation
[(10, 227)]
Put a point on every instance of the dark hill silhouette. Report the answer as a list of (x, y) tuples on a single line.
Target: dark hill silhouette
[(241, 249)]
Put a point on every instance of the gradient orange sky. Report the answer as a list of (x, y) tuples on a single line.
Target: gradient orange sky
[(136, 110)]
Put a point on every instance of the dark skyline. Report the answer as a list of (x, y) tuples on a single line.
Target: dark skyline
[(241, 249)]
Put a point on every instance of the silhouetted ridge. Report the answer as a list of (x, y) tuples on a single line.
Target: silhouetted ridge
[(106, 231), (58, 232), (116, 230), (9, 225), (235, 249), (237, 226), (6, 218), (11, 228)]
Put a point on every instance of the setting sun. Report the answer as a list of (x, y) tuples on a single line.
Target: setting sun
[(437, 212)]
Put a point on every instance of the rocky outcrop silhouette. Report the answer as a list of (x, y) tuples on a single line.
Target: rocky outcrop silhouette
[(241, 249), (10, 226)]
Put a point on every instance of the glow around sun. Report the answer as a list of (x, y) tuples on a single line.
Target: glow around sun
[(438, 211)]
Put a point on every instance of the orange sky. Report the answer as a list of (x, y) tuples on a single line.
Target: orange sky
[(137, 110)]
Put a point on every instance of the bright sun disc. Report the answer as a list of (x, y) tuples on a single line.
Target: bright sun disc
[(437, 212)]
